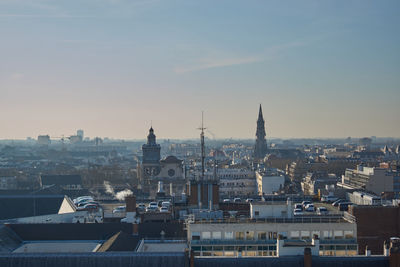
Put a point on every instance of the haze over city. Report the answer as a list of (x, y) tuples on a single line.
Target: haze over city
[(319, 68)]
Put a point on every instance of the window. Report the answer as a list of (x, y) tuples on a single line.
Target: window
[(256, 213), (239, 236), (228, 235), (283, 234), (305, 234), (195, 235), (206, 235), (216, 235), (348, 234), (338, 234), (272, 235), (262, 235), (249, 235), (317, 233), (295, 234), (327, 234)]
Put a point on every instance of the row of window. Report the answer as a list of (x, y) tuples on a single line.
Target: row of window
[(252, 235), (234, 251)]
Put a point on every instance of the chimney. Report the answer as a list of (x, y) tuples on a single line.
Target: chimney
[(394, 252), (130, 203), (135, 229), (307, 257), (130, 209)]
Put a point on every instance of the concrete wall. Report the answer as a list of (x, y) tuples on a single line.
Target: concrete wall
[(271, 210)]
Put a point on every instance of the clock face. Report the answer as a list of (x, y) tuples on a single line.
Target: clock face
[(152, 171), (171, 172)]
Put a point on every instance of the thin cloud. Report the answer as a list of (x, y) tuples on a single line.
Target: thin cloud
[(217, 63), (267, 54)]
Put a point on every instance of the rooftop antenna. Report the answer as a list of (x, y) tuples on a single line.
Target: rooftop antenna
[(203, 153)]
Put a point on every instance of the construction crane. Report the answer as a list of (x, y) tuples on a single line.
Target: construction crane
[(62, 139)]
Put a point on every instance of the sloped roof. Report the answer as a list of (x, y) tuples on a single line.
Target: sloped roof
[(70, 231), (19, 206), (171, 159), (60, 179), (121, 241), (9, 239)]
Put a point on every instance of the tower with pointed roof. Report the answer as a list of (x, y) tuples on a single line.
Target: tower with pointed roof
[(260, 148), (151, 155)]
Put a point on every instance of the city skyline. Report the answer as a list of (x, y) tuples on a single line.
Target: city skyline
[(110, 67)]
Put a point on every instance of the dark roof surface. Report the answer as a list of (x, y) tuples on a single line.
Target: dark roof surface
[(121, 241), (171, 159), (19, 206), (70, 231), (9, 241), (60, 179), (95, 231)]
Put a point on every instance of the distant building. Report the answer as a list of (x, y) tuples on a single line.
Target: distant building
[(153, 170), (64, 181), (172, 175), (260, 148), (151, 156), (269, 181), (317, 180), (80, 133), (372, 179), (235, 182), (43, 140), (258, 237)]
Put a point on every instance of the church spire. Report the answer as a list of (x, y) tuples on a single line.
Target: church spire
[(260, 115), (260, 148)]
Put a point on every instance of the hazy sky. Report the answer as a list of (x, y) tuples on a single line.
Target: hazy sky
[(110, 67)]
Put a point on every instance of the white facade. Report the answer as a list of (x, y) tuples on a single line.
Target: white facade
[(271, 210), (267, 230), (235, 182), (376, 180), (249, 238), (268, 183)]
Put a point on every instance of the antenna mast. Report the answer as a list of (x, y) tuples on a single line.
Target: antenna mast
[(203, 153)]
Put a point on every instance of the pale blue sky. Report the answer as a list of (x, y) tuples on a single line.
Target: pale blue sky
[(319, 68)]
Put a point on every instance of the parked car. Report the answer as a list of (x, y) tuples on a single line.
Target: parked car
[(141, 207), (322, 211), (305, 203), (249, 200), (310, 208), (166, 204), (90, 207), (119, 209), (153, 204), (76, 200), (227, 200), (164, 209), (344, 206), (237, 200), (298, 206), (337, 202), (81, 204), (328, 199), (83, 200), (297, 212), (152, 209)]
